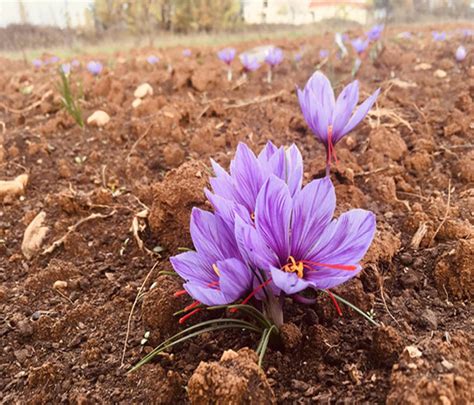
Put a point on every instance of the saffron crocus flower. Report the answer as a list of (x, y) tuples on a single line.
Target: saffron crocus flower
[(95, 67), (438, 36), (187, 53), (37, 63), (298, 57), (66, 68), (360, 45), (296, 241), (215, 273), (460, 53), (249, 62), (53, 60), (75, 63), (328, 118), (226, 55), (323, 53), (273, 58), (375, 32), (152, 59), (237, 191)]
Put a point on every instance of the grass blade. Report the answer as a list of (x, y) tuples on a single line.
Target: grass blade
[(358, 310)]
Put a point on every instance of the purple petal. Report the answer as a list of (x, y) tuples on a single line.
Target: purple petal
[(252, 247), (236, 279), (193, 267), (323, 98), (211, 236), (272, 216), (345, 104), (360, 113), (207, 295), (277, 164), (247, 174), (267, 152), (313, 209), (290, 283), (222, 184), (294, 169), (227, 209), (345, 240)]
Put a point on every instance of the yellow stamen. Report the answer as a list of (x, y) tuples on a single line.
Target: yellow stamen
[(252, 216), (294, 267), (216, 270)]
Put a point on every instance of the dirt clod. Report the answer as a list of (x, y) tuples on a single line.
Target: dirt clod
[(291, 336), (387, 345), (234, 379)]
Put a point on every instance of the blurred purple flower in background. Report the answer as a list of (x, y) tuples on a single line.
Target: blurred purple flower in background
[(152, 59), (94, 67), (328, 118), (66, 68), (37, 63), (75, 63), (466, 32), (360, 45), (323, 53), (249, 62), (274, 57), (187, 53), (404, 35), (345, 37), (438, 36), (296, 241), (226, 55), (298, 57), (460, 53), (52, 60), (375, 32)]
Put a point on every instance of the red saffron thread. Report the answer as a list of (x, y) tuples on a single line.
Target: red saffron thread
[(247, 299), (187, 316), (334, 302), (179, 293), (332, 266)]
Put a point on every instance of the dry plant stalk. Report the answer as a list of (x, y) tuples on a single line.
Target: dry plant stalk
[(418, 236), (34, 236)]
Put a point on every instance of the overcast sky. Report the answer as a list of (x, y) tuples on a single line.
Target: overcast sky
[(44, 12)]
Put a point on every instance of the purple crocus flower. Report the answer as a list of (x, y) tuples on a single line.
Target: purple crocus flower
[(375, 32), (323, 53), (237, 191), (274, 57), (298, 57), (226, 55), (249, 62), (360, 45), (187, 53), (94, 67), (53, 60), (215, 273), (75, 63), (66, 68), (328, 118), (37, 63), (460, 53), (438, 36), (296, 241), (152, 59)]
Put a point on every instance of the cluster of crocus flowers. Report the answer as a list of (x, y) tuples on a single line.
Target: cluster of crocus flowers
[(270, 237), (438, 36), (227, 55), (94, 67), (460, 53), (329, 118), (273, 58), (375, 32)]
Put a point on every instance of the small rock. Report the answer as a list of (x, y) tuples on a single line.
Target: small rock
[(413, 352), (59, 285), (447, 365), (440, 74), (24, 328), (406, 259), (143, 90), (99, 118), (136, 103), (423, 66), (36, 315), (429, 319)]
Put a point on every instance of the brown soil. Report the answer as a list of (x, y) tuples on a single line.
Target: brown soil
[(132, 185)]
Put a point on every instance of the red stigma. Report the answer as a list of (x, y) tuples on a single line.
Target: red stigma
[(179, 293), (187, 316), (338, 309), (247, 299)]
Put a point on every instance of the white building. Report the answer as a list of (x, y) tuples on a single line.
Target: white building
[(303, 11)]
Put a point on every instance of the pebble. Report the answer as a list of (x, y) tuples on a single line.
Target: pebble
[(406, 259), (59, 285), (24, 328), (447, 365), (36, 315), (429, 319)]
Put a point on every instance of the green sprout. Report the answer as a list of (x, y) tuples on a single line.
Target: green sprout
[(69, 100)]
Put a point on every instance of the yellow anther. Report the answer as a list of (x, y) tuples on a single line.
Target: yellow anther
[(294, 267), (216, 270)]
